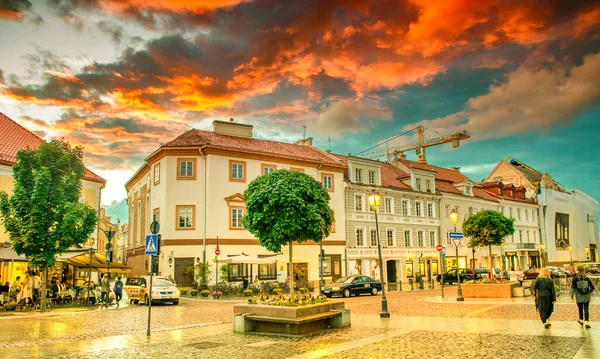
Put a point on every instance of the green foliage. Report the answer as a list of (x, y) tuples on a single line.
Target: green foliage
[(224, 273), (194, 292), (488, 228), (44, 216), (286, 206), (200, 271)]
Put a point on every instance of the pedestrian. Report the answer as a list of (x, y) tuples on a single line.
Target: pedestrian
[(581, 292), (245, 282), (171, 279), (520, 276), (37, 283), (356, 270), (118, 290), (504, 274), (545, 296), (375, 272), (104, 292), (512, 274), (15, 288), (26, 291)]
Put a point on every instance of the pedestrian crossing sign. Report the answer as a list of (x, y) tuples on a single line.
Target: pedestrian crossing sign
[(151, 244)]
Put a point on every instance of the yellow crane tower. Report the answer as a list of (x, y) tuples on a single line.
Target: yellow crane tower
[(398, 151)]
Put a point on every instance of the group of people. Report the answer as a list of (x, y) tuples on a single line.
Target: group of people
[(105, 290), (545, 296), (26, 292)]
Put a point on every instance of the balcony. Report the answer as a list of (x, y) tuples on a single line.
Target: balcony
[(526, 245)]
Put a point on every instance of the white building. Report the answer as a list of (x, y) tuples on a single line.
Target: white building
[(193, 186)]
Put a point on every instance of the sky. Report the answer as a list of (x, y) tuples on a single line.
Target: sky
[(120, 77)]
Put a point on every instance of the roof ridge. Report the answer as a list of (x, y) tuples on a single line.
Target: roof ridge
[(22, 127)]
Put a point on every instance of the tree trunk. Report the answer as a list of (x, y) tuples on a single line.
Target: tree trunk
[(492, 277), (291, 272), (43, 288)]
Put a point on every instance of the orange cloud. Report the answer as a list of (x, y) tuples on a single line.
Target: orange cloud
[(171, 5)]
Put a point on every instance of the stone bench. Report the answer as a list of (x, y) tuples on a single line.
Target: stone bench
[(521, 291), (290, 320)]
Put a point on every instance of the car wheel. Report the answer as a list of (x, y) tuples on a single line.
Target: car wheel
[(135, 301), (146, 301), (449, 283), (176, 302), (346, 293), (130, 301), (374, 291)]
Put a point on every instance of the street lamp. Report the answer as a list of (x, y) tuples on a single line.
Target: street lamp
[(587, 253), (473, 250), (542, 246), (454, 218), (109, 236), (571, 255), (374, 200)]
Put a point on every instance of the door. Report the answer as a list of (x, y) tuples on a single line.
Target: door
[(391, 271), (336, 267), (182, 278)]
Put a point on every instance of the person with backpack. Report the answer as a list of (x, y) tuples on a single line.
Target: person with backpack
[(118, 289), (581, 292)]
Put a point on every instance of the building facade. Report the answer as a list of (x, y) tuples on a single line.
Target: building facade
[(193, 186)]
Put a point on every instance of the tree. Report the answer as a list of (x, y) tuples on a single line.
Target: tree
[(200, 273), (284, 207), (44, 216), (488, 228)]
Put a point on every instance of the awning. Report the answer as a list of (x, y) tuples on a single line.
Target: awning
[(98, 263), (286, 259), (8, 254), (247, 260)]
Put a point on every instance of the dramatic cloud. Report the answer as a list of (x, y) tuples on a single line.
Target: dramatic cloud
[(18, 10), (114, 30), (349, 117), (529, 99)]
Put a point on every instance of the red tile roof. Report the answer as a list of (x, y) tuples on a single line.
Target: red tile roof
[(491, 189), (390, 175), (194, 137), (14, 137)]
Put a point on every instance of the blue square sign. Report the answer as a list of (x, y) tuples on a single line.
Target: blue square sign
[(151, 244)]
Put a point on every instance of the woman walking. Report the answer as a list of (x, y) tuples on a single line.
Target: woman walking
[(581, 292), (545, 296)]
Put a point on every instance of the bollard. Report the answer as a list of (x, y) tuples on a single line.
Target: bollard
[(410, 282), (401, 286), (421, 283)]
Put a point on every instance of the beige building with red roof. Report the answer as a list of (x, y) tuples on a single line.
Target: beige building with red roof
[(14, 137), (193, 186)]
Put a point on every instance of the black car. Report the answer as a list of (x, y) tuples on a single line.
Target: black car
[(466, 274), (347, 286)]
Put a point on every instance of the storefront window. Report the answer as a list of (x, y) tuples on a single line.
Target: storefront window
[(267, 271), (409, 269), (236, 272)]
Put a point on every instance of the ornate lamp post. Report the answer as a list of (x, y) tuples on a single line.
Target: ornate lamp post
[(109, 252), (587, 254), (473, 250), (571, 255), (542, 246), (454, 218), (374, 200)]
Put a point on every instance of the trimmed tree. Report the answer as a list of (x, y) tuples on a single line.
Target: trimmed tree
[(44, 216), (284, 207), (486, 229)]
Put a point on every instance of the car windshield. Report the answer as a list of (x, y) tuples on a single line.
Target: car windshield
[(162, 282), (345, 280)]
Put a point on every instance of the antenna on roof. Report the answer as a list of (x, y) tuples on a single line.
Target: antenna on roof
[(304, 137), (329, 140)]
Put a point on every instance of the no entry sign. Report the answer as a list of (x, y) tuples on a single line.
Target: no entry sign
[(439, 247)]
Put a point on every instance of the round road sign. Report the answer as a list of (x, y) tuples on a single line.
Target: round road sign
[(439, 247), (217, 251), (154, 227)]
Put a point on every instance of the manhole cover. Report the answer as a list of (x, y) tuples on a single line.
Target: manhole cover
[(204, 345)]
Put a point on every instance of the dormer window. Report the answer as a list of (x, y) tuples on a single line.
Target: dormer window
[(512, 193), (358, 175), (499, 191), (468, 190), (428, 185), (418, 184), (371, 177)]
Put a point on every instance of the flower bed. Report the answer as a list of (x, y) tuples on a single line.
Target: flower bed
[(286, 301), (488, 290)]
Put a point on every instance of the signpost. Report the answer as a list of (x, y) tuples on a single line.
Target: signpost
[(217, 252), (456, 238), (152, 249), (440, 248)]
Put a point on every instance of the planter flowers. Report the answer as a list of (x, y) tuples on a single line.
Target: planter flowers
[(205, 293), (217, 294)]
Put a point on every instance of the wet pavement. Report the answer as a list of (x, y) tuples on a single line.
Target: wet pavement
[(422, 325)]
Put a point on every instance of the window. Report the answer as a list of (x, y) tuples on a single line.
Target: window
[(418, 183), (419, 209), (448, 240), (432, 239), (534, 237), (359, 201), (237, 272), (510, 212), (407, 242), (267, 271), (237, 214), (527, 215), (499, 191), (327, 181), (448, 211), (358, 175), (520, 236), (373, 238), (237, 171), (405, 207), (297, 169), (528, 238), (428, 185), (468, 190), (421, 239), (186, 217), (390, 238), (430, 210), (187, 168), (389, 205), (533, 215), (360, 237), (156, 174), (519, 213), (266, 169), (512, 193), (372, 177)]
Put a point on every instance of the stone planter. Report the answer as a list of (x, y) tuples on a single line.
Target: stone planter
[(291, 320), (488, 290)]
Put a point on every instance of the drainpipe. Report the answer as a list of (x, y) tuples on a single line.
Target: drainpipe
[(205, 209)]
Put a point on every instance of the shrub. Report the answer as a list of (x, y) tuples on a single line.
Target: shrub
[(194, 292), (277, 291), (248, 292), (205, 293), (303, 290), (183, 291)]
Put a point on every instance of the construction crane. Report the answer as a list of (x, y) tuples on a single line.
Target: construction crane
[(398, 151)]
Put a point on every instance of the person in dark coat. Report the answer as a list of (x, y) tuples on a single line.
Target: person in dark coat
[(581, 292), (545, 296)]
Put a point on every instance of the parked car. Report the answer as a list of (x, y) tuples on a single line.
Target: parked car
[(354, 285), (556, 272), (163, 290), (466, 274), (532, 273), (592, 268)]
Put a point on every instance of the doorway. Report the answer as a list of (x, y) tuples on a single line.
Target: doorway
[(182, 278), (392, 278)]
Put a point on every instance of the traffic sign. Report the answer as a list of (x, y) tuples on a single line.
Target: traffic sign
[(154, 227), (108, 246), (439, 247), (456, 235), (217, 251), (151, 244)]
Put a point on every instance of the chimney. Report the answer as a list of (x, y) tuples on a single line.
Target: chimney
[(457, 169), (305, 142), (232, 129)]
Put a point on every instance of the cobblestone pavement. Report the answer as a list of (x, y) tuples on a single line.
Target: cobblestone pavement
[(119, 333)]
